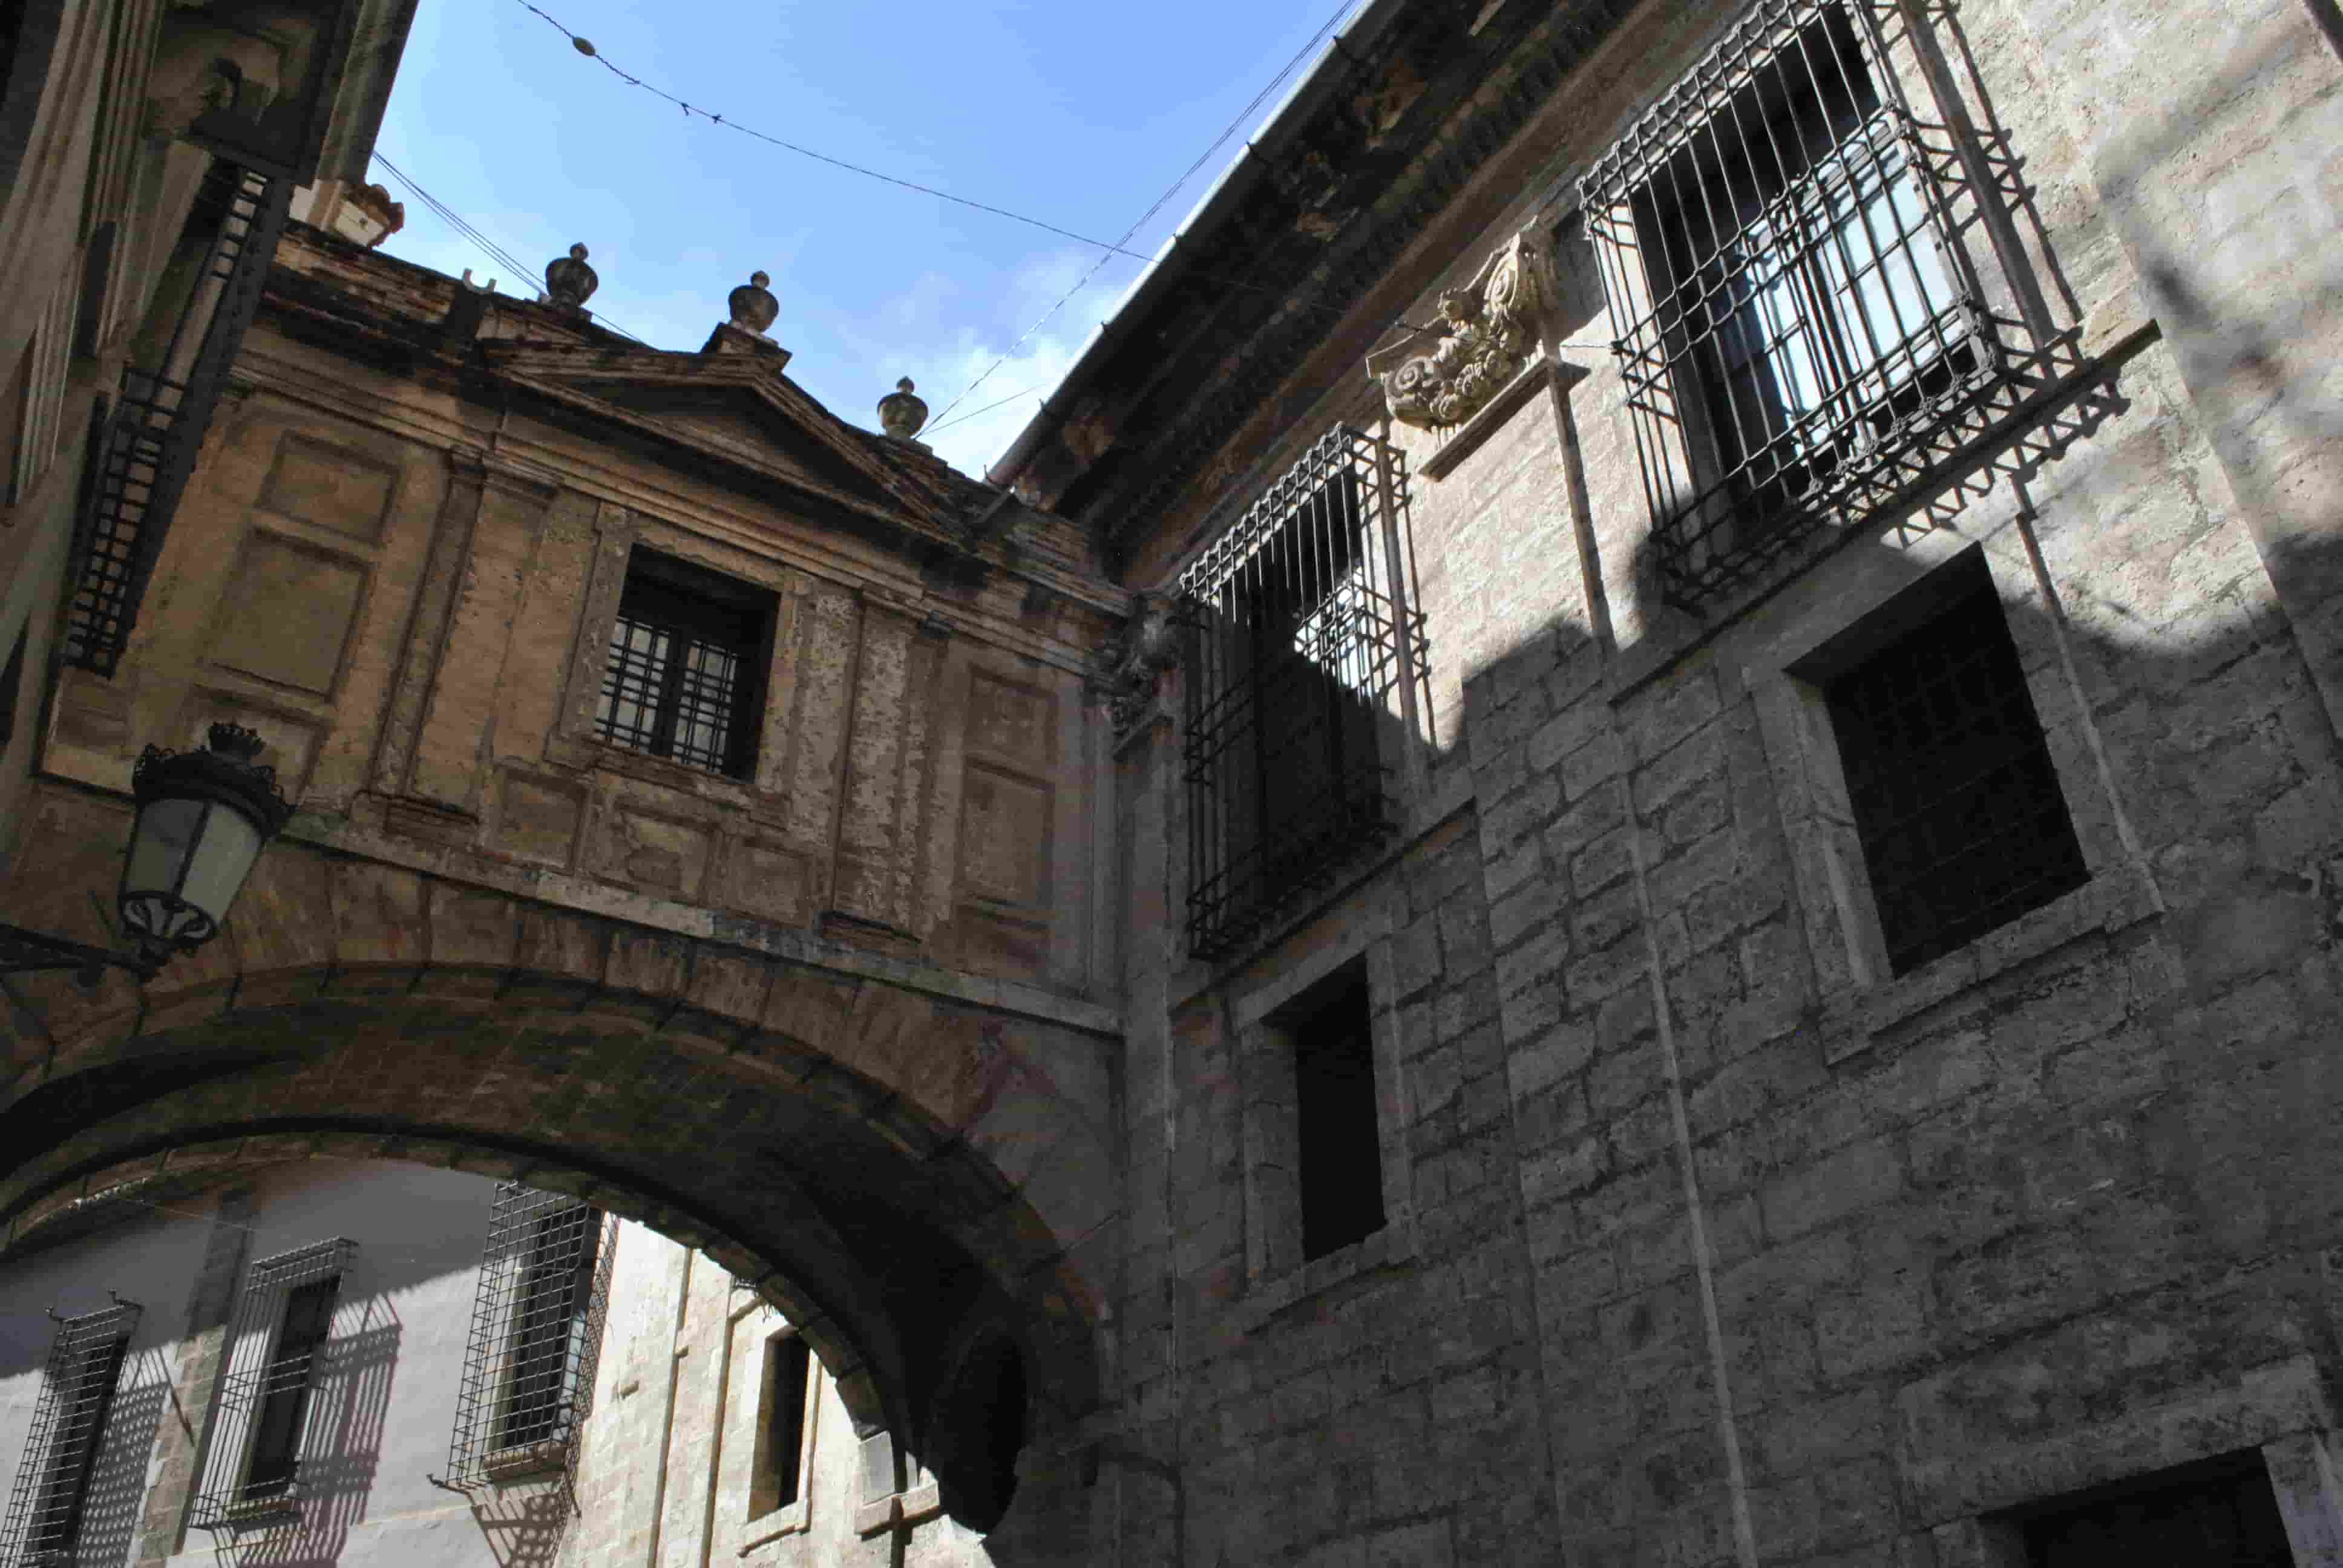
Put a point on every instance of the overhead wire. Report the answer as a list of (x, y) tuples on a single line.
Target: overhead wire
[(1120, 248), (1238, 120), (585, 46), (488, 246)]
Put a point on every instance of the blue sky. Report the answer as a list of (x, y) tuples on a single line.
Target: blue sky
[(1080, 114)]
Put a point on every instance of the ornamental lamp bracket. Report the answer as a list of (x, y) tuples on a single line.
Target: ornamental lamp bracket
[(1440, 376)]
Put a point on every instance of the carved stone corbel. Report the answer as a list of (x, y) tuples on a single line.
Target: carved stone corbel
[(235, 56), (1133, 665), (1488, 335)]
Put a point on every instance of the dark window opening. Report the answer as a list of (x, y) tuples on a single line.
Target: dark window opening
[(686, 675), (1956, 799), (1337, 1128), (88, 1402), (780, 1438), (550, 1328), (12, 687), (1798, 316), (1295, 687), (284, 1388), (2218, 1514)]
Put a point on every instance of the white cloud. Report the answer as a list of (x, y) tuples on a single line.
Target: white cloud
[(916, 333)]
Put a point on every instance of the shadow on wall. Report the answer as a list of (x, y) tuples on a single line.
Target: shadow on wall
[(117, 1482), (523, 1529), (341, 1453)]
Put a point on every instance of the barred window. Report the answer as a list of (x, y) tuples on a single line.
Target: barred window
[(686, 676), (1307, 671), (536, 1327), (1793, 324), (280, 1339), (1955, 800), (50, 1501)]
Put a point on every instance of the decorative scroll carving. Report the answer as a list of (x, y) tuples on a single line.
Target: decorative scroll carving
[(1488, 333), (1134, 663)]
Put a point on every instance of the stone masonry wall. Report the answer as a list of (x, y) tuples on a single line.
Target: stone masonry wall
[(1821, 1265)]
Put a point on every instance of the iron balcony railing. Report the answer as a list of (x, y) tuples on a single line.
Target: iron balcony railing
[(143, 449), (1305, 676)]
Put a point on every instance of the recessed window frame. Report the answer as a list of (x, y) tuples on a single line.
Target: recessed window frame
[(1784, 657), (1711, 544), (1277, 1270), (1305, 604), (783, 1460), (261, 1368), (48, 1502), (673, 621)]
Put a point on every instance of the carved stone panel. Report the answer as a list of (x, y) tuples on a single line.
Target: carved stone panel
[(538, 819), (1005, 837), (660, 855), (334, 489), (768, 879), (1009, 720), (289, 612)]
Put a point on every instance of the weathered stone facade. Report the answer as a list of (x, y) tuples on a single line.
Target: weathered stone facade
[(1710, 1233)]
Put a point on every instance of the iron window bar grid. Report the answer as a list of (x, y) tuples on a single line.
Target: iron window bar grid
[(1955, 800), (143, 449), (228, 1500), (683, 678), (1305, 652), (1692, 246), (62, 1445), (538, 1315)]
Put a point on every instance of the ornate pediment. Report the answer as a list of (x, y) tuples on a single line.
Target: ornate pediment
[(1488, 334), (732, 407)]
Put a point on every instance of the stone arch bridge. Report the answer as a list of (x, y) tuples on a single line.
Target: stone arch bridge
[(899, 1169)]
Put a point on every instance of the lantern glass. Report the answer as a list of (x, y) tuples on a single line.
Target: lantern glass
[(188, 859)]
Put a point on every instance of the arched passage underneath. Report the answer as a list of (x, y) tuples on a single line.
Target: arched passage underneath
[(886, 1233)]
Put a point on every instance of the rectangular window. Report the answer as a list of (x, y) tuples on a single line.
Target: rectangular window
[(1955, 800), (537, 1309), (2222, 1514), (780, 1432), (1337, 1140), (284, 1412), (12, 686), (1789, 313), (1305, 673), (278, 1349), (51, 1498), (686, 676), (550, 1323)]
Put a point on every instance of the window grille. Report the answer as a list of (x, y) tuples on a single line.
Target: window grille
[(143, 451), (686, 673), (1955, 800), (50, 1499), (1307, 666), (537, 1331), (1798, 340), (280, 1342)]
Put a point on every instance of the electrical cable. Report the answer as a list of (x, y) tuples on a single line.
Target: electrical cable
[(1259, 98), (490, 248), (974, 413), (586, 47)]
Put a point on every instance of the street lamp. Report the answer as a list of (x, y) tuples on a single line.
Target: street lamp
[(203, 817)]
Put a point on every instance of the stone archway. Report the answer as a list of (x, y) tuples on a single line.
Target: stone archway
[(885, 1164)]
